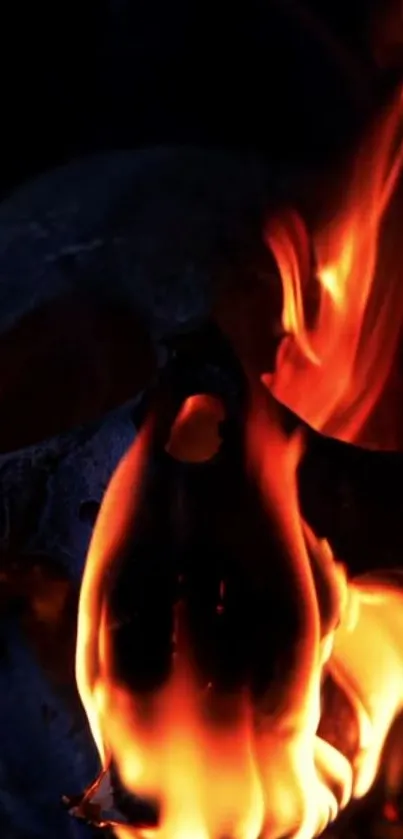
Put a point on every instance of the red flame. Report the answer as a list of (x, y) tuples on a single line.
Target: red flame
[(195, 432), (332, 372)]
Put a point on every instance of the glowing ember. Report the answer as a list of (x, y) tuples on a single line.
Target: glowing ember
[(246, 764)]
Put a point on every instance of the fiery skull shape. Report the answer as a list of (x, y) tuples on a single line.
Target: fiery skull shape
[(230, 624)]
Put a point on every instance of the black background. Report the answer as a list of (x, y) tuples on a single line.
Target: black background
[(292, 79)]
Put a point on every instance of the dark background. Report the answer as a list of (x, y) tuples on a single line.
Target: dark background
[(293, 79)]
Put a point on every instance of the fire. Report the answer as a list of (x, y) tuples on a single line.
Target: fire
[(182, 761), (218, 765), (194, 436), (241, 765), (331, 371), (373, 682)]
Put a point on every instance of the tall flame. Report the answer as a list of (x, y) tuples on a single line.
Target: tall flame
[(259, 768), (247, 771), (262, 770), (332, 370)]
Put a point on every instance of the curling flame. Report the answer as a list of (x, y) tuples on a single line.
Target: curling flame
[(332, 369)]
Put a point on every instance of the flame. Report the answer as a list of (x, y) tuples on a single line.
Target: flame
[(367, 662), (331, 369), (262, 770), (244, 766), (119, 507), (194, 436)]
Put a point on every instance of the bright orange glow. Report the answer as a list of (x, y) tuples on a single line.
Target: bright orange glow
[(367, 662), (245, 765), (255, 773), (332, 370), (262, 770)]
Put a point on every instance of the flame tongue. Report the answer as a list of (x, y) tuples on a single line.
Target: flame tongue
[(271, 453), (374, 682), (333, 371)]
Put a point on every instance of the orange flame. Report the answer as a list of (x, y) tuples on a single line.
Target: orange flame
[(367, 662), (236, 766), (255, 772), (331, 372)]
